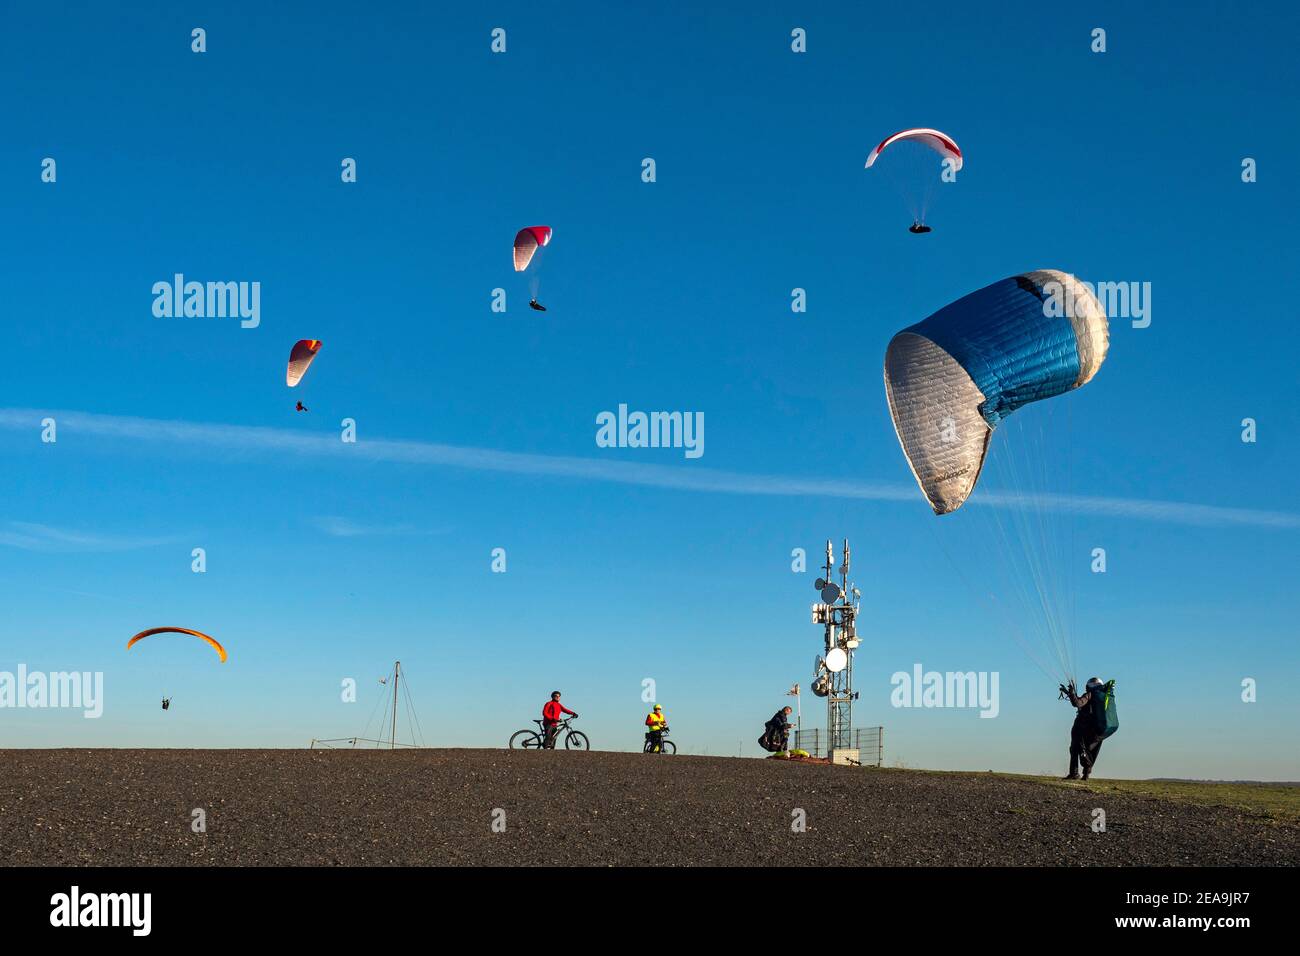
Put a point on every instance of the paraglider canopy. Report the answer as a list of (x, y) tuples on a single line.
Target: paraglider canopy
[(300, 358), (941, 143), (221, 651), (527, 242), (952, 378), (997, 362), (918, 161)]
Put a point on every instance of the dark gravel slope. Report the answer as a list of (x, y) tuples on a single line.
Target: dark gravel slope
[(350, 808)]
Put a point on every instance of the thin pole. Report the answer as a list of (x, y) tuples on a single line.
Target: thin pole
[(397, 675)]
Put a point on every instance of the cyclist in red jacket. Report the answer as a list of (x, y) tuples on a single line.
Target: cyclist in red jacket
[(552, 711)]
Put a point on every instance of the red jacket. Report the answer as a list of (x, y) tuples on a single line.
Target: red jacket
[(554, 709)]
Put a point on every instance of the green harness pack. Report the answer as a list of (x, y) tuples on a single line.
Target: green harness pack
[(1104, 713)]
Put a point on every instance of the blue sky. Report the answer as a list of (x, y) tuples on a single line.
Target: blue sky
[(326, 562)]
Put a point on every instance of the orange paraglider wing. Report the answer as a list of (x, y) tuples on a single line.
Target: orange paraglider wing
[(221, 651), (302, 355)]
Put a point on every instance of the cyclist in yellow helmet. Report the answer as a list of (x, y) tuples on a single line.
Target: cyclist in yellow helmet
[(655, 723)]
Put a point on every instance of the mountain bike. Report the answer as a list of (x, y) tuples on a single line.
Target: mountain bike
[(536, 739), (666, 746)]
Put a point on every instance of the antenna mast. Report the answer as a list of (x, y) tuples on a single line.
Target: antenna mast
[(838, 612), (397, 675), (412, 720)]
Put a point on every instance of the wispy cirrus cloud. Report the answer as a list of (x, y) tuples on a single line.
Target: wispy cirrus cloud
[(40, 537), (339, 527), (276, 442)]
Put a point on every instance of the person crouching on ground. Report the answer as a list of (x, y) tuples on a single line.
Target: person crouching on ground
[(778, 729)]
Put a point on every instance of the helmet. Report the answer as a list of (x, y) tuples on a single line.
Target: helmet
[(659, 707), (1093, 682)]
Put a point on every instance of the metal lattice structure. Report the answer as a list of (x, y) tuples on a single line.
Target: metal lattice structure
[(837, 611), (839, 708)]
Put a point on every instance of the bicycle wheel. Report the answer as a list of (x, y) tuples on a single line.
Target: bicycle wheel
[(576, 740), (526, 740), (668, 747)]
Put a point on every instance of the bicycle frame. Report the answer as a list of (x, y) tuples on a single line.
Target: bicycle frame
[(553, 735)]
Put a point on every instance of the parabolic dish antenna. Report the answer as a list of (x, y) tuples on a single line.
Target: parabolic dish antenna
[(830, 593), (836, 660)]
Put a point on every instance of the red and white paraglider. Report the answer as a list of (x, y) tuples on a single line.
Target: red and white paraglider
[(918, 160), (529, 241), (300, 359)]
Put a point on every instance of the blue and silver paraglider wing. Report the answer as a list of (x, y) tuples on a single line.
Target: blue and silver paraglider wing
[(953, 377)]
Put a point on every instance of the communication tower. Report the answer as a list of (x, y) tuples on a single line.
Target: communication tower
[(833, 669)]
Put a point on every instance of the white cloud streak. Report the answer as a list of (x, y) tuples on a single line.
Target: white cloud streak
[(257, 439), (339, 527), (39, 537)]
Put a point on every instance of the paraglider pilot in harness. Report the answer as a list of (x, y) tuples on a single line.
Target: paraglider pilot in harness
[(167, 702), (1085, 735), (918, 228), (536, 306)]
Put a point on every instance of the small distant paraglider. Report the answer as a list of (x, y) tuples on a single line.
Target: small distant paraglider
[(528, 241), (911, 165), (211, 641), (300, 359)]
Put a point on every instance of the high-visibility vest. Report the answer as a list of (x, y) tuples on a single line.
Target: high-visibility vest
[(655, 721)]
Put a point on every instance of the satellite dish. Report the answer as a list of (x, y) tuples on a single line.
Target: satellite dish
[(819, 665), (819, 583), (821, 686), (836, 660), (830, 593)]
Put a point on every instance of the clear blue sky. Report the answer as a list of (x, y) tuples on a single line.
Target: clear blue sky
[(666, 296)]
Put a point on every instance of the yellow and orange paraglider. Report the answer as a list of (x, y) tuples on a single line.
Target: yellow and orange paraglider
[(221, 651)]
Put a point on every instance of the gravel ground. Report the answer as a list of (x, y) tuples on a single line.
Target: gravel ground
[(436, 807)]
